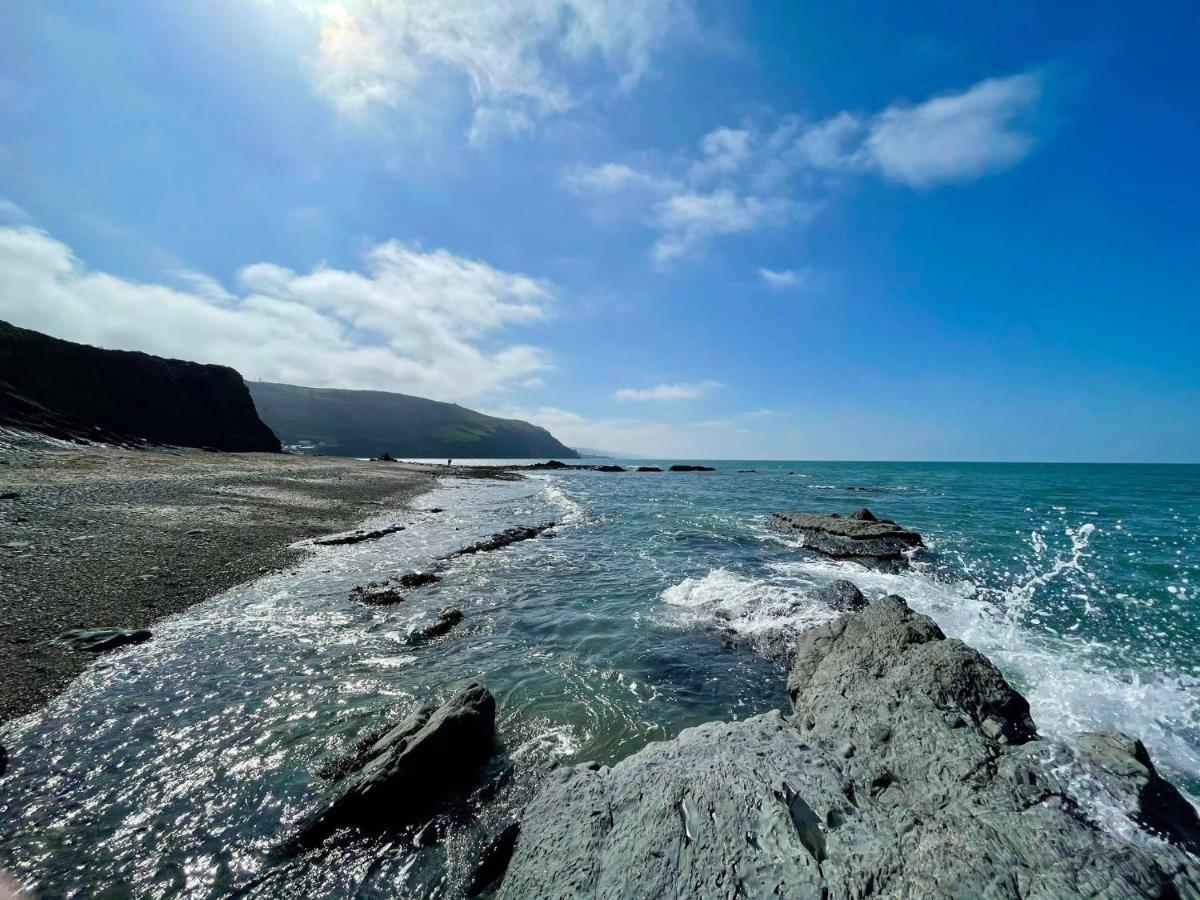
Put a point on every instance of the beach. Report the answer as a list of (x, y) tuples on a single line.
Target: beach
[(101, 537)]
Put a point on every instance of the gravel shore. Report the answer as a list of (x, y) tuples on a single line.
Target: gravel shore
[(100, 537)]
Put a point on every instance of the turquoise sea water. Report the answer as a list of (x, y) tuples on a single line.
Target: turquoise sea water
[(176, 768)]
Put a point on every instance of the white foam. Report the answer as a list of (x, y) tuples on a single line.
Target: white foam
[(572, 511), (747, 606)]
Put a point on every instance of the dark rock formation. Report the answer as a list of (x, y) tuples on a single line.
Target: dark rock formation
[(358, 537), (686, 468), (649, 469), (385, 457), (357, 423), (377, 594), (610, 468), (3, 760), (842, 595), (418, 579), (859, 537), (411, 769), (446, 620), (80, 393), (909, 768), (503, 539), (554, 464), (101, 640)]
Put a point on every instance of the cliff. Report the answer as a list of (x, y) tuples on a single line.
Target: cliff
[(81, 393)]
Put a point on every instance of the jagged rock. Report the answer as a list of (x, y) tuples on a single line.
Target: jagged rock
[(377, 595), (1123, 768), (551, 464), (101, 640), (864, 515), (503, 539), (413, 768), (909, 768), (376, 742), (842, 595), (418, 579), (446, 620), (610, 468), (687, 468), (358, 537), (863, 540), (385, 457)]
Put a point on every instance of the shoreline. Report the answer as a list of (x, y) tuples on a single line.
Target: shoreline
[(106, 537)]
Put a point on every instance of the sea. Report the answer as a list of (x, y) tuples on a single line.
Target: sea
[(180, 767)]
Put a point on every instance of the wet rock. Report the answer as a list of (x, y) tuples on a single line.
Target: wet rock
[(385, 457), (101, 640), (688, 468), (414, 768), (503, 539), (9, 495), (747, 471), (3, 760), (842, 595), (446, 620), (883, 782), (435, 509), (418, 579), (375, 742), (494, 860), (610, 468), (377, 595), (863, 515), (358, 537), (1123, 767), (551, 464), (839, 537), (649, 469)]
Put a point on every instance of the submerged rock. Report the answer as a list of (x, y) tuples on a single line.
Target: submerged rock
[(504, 538), (418, 579), (688, 468), (649, 469), (860, 536), (494, 860), (358, 537), (101, 640), (908, 768), (446, 620), (411, 769), (377, 595), (610, 468)]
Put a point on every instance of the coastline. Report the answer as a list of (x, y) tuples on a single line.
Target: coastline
[(105, 537)]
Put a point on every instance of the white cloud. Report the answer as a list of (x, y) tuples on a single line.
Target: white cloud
[(785, 278), (955, 137), (518, 61), (412, 321), (611, 178), (679, 390), (743, 180), (687, 221), (722, 151), (12, 213)]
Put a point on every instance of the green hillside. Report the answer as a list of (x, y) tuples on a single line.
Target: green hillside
[(369, 423)]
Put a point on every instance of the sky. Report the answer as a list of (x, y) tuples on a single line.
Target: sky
[(664, 228)]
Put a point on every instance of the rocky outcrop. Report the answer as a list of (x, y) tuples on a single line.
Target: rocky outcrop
[(842, 595), (410, 769), (101, 640), (79, 393), (687, 468), (442, 625), (860, 536), (909, 767), (503, 539), (649, 469), (357, 537)]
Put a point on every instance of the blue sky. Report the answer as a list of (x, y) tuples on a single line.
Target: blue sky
[(860, 230)]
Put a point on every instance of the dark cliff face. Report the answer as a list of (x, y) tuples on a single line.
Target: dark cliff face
[(370, 423), (77, 392)]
